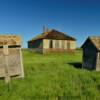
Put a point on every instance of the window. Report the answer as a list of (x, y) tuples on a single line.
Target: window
[(63, 44), (57, 44), (51, 44), (68, 45)]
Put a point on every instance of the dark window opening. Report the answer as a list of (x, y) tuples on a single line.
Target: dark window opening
[(51, 44)]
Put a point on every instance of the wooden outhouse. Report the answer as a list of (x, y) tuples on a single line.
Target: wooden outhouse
[(10, 56), (91, 53), (52, 41)]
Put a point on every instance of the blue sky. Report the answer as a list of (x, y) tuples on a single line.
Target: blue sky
[(78, 18)]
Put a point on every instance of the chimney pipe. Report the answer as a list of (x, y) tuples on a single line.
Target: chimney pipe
[(44, 29)]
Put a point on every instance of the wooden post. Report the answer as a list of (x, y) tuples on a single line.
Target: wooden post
[(22, 70), (7, 74)]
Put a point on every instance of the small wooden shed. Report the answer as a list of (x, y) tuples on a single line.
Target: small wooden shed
[(52, 41), (91, 53), (10, 56)]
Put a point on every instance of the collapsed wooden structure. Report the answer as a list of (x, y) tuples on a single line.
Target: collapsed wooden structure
[(10, 57)]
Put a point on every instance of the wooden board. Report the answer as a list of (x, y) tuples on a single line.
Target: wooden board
[(10, 40), (14, 60)]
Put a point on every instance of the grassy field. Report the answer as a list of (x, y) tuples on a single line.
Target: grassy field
[(53, 77)]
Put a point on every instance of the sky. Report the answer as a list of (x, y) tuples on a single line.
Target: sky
[(77, 18)]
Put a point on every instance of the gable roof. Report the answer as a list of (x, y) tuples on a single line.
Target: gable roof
[(53, 34), (95, 41)]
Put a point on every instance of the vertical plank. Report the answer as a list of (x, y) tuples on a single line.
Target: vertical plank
[(6, 53), (21, 61)]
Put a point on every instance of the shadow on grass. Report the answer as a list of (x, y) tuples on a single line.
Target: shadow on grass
[(76, 65)]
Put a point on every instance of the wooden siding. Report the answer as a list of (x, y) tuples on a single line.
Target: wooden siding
[(98, 62), (35, 44), (46, 43), (14, 62), (72, 45), (58, 45), (89, 56)]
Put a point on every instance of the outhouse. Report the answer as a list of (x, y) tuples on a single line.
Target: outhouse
[(91, 53)]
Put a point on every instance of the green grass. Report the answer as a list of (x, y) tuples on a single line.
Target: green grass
[(53, 77)]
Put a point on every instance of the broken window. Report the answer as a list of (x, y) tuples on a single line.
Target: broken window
[(51, 44)]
